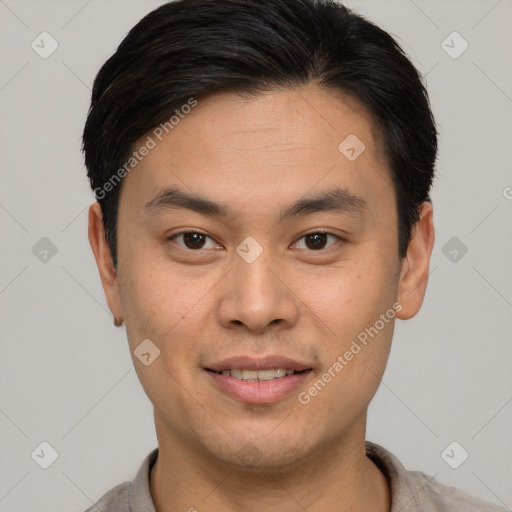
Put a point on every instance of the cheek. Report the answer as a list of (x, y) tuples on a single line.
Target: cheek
[(171, 308), (164, 309), (349, 297), (156, 300)]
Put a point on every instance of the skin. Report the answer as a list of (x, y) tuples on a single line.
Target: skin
[(258, 155)]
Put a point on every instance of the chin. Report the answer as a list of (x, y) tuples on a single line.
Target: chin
[(259, 451)]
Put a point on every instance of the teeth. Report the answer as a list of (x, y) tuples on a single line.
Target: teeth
[(249, 375), (237, 374), (275, 373), (269, 374)]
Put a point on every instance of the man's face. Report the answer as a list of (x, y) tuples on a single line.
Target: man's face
[(255, 284)]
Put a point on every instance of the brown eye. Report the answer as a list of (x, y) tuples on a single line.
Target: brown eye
[(317, 241), (193, 240)]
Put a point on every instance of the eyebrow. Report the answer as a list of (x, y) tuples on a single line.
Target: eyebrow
[(337, 200)]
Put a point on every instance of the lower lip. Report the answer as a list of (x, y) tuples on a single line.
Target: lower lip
[(259, 392)]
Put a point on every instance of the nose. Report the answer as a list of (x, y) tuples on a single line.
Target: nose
[(256, 296)]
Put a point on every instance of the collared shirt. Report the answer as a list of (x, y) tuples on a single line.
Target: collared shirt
[(411, 491)]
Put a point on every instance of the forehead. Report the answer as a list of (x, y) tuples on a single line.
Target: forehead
[(275, 143), (298, 116)]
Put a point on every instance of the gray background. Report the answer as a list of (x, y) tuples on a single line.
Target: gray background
[(66, 376)]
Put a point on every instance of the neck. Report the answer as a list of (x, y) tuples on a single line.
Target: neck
[(336, 478)]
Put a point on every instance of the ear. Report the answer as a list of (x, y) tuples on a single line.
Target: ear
[(415, 265), (101, 250)]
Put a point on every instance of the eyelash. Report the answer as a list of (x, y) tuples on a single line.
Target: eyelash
[(332, 235)]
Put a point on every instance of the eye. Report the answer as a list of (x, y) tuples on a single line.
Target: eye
[(193, 240), (317, 241)]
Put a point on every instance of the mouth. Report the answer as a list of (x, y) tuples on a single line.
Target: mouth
[(258, 381), (258, 375)]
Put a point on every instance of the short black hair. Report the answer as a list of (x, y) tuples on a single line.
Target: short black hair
[(190, 49)]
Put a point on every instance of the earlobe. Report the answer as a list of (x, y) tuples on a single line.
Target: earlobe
[(103, 257), (415, 267)]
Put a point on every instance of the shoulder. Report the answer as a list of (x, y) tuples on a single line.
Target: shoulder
[(134, 496), (114, 500), (415, 491), (444, 497)]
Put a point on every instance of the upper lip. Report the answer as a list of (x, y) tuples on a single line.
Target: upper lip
[(258, 363)]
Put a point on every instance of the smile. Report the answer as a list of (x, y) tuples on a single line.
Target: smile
[(257, 375), (259, 387)]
